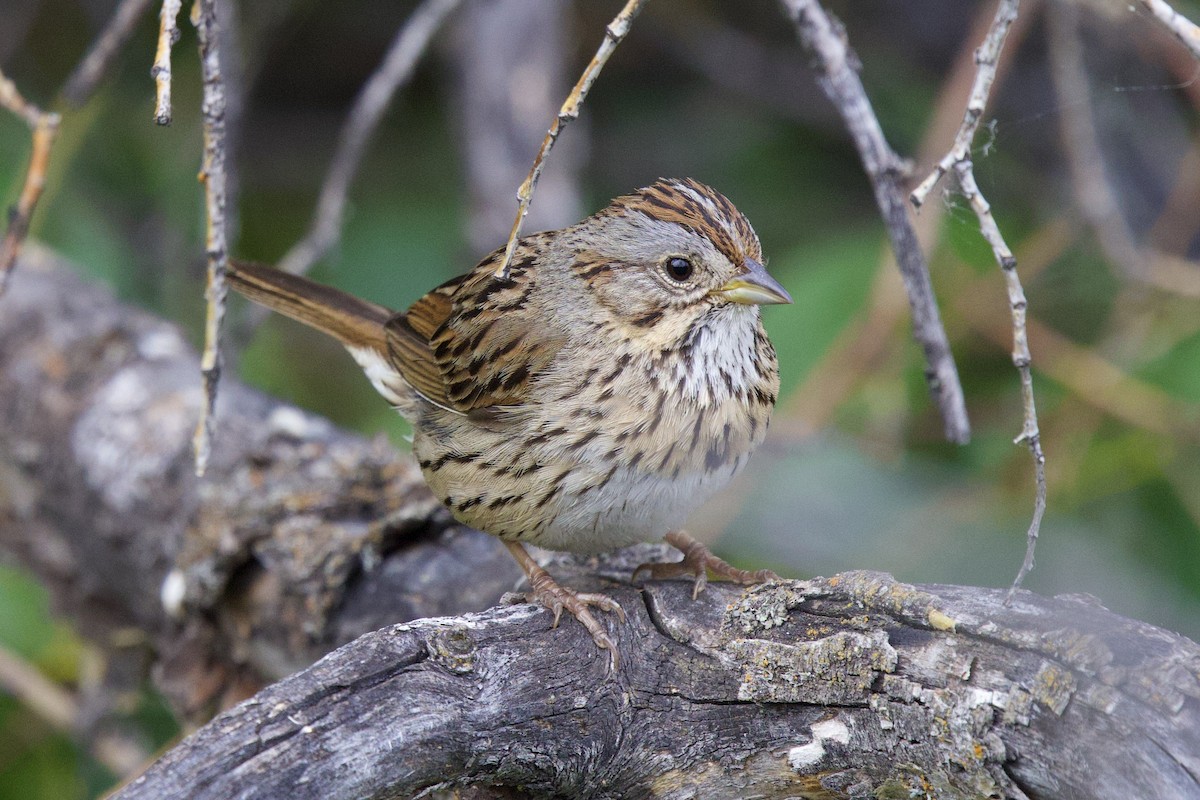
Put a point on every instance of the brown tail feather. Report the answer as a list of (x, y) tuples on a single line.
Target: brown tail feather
[(353, 322)]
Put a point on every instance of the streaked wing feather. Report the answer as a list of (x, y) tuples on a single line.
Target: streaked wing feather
[(466, 346)]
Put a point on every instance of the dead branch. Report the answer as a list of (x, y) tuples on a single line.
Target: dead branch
[(614, 34), (958, 160), (410, 43), (89, 72), (44, 126), (212, 175), (168, 35), (852, 686), (837, 68), (303, 538)]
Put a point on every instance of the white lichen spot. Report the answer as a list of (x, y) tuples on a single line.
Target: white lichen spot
[(806, 756), (172, 592), (161, 344), (291, 421), (987, 697)]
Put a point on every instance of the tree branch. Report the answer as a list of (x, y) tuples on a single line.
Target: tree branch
[(850, 686), (301, 537), (837, 66)]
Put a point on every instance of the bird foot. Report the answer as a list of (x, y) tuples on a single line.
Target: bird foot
[(546, 592), (697, 562)]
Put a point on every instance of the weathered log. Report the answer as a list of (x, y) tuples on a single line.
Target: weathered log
[(852, 686), (303, 538), (299, 538)]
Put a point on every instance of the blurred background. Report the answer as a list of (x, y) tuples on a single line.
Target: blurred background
[(1089, 154)]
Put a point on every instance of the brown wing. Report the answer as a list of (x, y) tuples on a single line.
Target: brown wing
[(470, 344)]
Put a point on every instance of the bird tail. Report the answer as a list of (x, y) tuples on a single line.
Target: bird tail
[(359, 325), (353, 322)]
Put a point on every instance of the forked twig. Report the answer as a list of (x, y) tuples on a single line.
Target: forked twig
[(373, 100), (986, 59), (1180, 26), (44, 125), (958, 160), (837, 68), (168, 35), (212, 174), (614, 33), (95, 65), (964, 173)]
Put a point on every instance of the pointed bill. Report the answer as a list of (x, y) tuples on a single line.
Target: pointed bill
[(754, 287)]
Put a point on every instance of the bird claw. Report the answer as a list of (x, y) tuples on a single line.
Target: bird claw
[(697, 562), (550, 595)]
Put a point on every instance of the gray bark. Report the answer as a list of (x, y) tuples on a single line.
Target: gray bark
[(299, 538), (853, 686), (303, 538)]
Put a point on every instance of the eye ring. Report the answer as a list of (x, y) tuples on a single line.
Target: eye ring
[(678, 268)]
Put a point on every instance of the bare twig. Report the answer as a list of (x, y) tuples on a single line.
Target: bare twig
[(865, 341), (1180, 26), (1094, 193), (964, 172), (373, 100), (95, 65), (958, 159), (44, 125), (61, 710), (986, 59), (45, 698), (212, 173), (614, 33), (504, 95), (168, 35), (826, 39), (1085, 160)]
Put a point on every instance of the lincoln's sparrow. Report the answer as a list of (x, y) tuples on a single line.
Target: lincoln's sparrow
[(618, 379)]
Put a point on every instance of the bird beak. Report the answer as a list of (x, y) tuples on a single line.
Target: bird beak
[(754, 287)]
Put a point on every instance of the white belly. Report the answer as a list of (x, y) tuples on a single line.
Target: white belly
[(632, 507)]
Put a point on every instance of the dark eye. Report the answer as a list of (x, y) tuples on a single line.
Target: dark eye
[(679, 268)]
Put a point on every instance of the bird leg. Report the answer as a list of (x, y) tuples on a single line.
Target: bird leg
[(546, 592), (698, 561)]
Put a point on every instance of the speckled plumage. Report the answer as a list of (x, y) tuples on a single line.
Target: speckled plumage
[(595, 398)]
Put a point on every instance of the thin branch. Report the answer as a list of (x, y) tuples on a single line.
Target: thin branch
[(212, 173), (958, 159), (613, 36), (44, 125), (1094, 193), (61, 710), (826, 39), (45, 698), (168, 35), (866, 339), (964, 172), (373, 99), (96, 64), (987, 57), (1180, 26)]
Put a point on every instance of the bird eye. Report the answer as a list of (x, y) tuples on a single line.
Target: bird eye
[(679, 268)]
